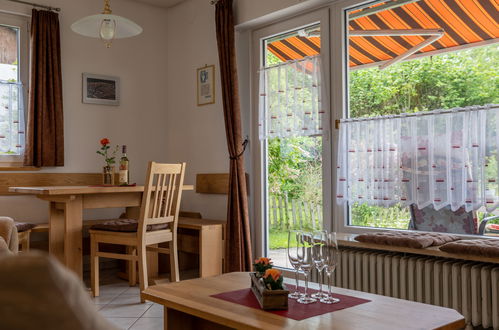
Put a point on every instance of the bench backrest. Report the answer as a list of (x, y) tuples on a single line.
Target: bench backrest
[(46, 179)]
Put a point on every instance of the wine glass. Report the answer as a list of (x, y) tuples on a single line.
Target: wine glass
[(293, 239), (319, 249), (306, 264), (331, 261)]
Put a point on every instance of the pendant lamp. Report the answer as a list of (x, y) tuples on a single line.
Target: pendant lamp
[(106, 26)]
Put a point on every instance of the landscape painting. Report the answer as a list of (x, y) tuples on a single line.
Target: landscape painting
[(99, 89)]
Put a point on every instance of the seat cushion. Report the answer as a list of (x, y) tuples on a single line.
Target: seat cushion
[(126, 226), (414, 240), (481, 247), (24, 226)]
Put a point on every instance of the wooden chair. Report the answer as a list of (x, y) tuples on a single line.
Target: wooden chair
[(446, 220), (24, 235), (157, 223)]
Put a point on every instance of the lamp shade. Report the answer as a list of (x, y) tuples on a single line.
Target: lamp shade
[(91, 26)]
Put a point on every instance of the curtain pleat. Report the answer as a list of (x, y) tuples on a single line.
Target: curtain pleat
[(45, 123), (238, 239), (435, 158)]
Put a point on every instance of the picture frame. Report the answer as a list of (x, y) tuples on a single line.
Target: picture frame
[(101, 89), (206, 85)]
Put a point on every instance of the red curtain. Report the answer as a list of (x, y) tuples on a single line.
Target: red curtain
[(238, 239), (45, 125)]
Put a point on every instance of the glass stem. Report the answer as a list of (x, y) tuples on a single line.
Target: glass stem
[(306, 283), (297, 283), (320, 281), (329, 283)]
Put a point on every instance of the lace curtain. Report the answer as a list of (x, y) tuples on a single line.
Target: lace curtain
[(290, 99), (12, 124), (434, 158)]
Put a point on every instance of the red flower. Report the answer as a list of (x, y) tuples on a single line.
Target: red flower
[(104, 141)]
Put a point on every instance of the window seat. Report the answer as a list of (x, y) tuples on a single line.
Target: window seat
[(348, 240)]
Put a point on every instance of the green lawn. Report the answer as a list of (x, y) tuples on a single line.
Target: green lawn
[(278, 239)]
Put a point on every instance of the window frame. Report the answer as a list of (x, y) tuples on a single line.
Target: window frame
[(340, 106), (15, 162), (340, 103), (335, 62), (258, 150)]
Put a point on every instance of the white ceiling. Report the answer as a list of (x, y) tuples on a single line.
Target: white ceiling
[(161, 3)]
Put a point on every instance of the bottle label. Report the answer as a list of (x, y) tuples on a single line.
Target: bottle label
[(123, 179)]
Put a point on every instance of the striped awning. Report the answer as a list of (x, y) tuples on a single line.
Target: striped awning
[(465, 23)]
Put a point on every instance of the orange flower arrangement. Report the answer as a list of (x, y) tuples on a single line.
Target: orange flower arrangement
[(262, 264), (273, 279)]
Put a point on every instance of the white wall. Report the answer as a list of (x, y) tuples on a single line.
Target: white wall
[(139, 122), (158, 118), (197, 134)]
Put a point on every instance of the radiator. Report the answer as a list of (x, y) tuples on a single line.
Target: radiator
[(471, 288)]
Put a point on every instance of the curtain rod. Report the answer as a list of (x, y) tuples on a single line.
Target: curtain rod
[(417, 114), (36, 5)]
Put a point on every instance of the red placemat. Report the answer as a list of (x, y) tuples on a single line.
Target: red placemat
[(295, 310)]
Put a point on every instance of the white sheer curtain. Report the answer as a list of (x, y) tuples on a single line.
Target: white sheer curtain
[(434, 158), (12, 125), (290, 99)]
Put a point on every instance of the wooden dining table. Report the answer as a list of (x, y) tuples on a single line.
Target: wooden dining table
[(189, 305), (66, 214)]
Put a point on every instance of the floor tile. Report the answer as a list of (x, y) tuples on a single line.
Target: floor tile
[(132, 290), (134, 310), (127, 300), (116, 288), (152, 323), (156, 310), (104, 299), (122, 322)]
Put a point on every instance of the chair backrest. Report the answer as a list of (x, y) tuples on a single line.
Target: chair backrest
[(443, 220), (162, 194)]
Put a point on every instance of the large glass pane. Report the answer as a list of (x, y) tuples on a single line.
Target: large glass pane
[(11, 121), (293, 164), (445, 79)]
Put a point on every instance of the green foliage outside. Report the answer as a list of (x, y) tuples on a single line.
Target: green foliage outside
[(459, 79)]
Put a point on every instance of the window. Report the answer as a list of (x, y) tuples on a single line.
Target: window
[(291, 130), (13, 84), (416, 57), (380, 58)]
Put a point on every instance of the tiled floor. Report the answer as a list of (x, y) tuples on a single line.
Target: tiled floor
[(121, 305)]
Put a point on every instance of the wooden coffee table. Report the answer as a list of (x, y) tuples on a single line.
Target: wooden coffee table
[(188, 305)]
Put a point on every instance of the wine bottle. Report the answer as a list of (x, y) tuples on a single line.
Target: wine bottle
[(124, 178)]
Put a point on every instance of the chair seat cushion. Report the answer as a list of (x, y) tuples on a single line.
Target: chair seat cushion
[(126, 226), (480, 247), (24, 226), (416, 240)]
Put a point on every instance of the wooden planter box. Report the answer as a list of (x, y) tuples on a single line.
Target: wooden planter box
[(269, 299)]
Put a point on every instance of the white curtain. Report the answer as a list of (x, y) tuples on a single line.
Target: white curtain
[(290, 99), (434, 158), (12, 125)]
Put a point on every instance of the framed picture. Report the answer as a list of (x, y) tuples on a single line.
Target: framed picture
[(99, 89), (206, 85)]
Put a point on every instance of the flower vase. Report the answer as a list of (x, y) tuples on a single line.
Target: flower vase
[(108, 175)]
